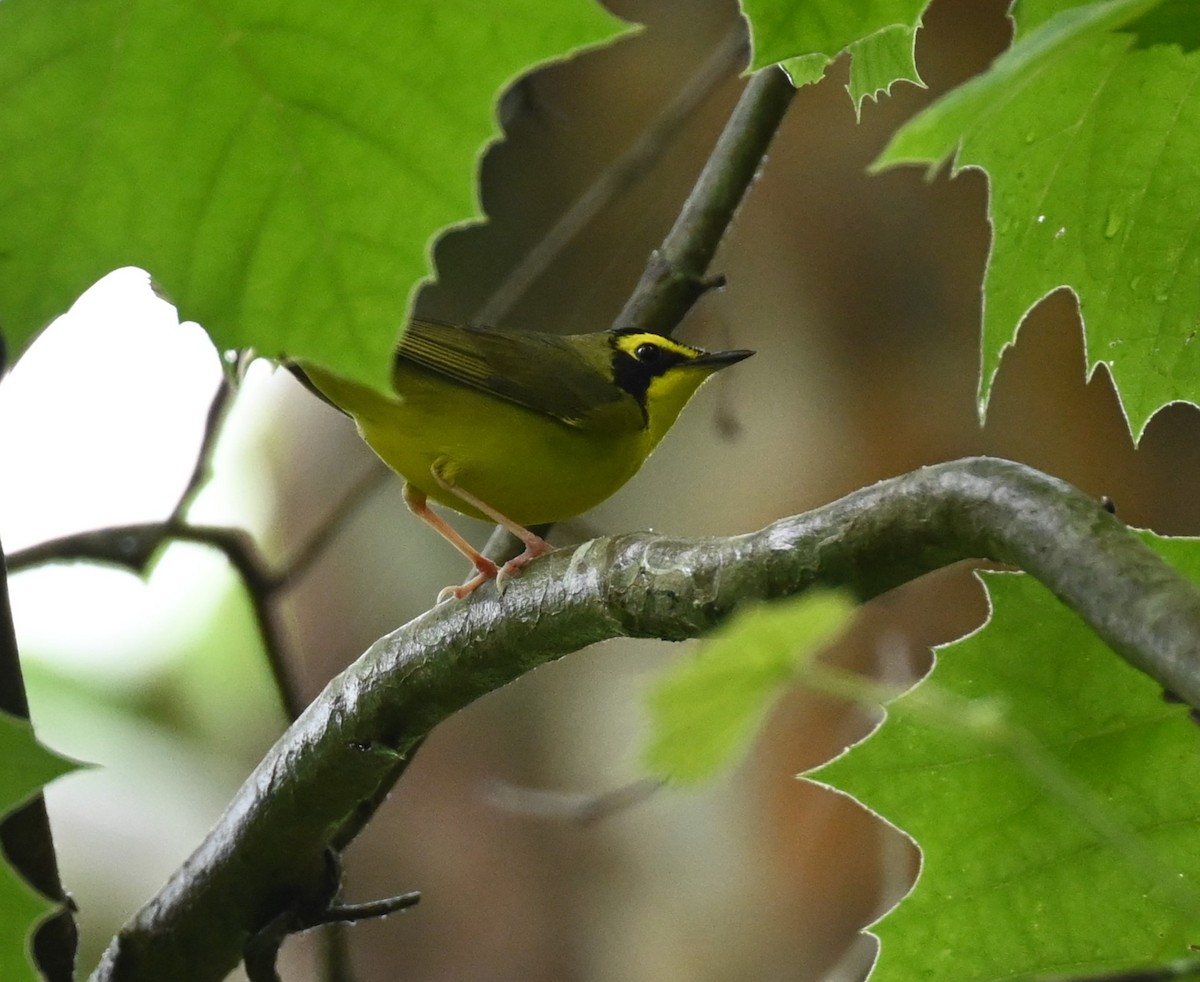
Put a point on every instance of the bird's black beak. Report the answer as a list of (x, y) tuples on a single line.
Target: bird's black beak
[(720, 359)]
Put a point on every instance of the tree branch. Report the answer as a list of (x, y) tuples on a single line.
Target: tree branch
[(675, 276), (133, 546), (214, 422), (267, 855), (635, 162)]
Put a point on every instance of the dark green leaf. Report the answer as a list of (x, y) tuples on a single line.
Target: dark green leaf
[(1090, 144), (1059, 838)]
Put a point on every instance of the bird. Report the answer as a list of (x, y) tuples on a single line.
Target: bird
[(518, 428)]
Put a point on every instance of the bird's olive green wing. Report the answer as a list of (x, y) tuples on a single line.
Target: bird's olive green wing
[(567, 379)]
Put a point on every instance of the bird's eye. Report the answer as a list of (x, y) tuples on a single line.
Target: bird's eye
[(648, 353)]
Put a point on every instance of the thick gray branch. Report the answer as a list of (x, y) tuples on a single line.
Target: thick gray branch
[(267, 853)]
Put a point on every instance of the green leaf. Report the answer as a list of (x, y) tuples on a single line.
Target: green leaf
[(1029, 15), (782, 29), (1061, 837), (706, 710), (805, 37), (21, 910), (1089, 138), (880, 61), (280, 169), (25, 766), (1169, 22), (1174, 22), (806, 69)]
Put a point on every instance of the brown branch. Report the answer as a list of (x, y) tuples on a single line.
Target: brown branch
[(241, 551)]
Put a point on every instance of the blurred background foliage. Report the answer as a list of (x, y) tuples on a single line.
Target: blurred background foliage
[(862, 295)]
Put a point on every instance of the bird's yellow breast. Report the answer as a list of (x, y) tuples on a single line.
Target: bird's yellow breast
[(528, 466)]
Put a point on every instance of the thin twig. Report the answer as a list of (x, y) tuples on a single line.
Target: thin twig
[(335, 954), (578, 808), (241, 551), (635, 162), (134, 546), (353, 913), (243, 554), (128, 546), (214, 422), (676, 275), (295, 567)]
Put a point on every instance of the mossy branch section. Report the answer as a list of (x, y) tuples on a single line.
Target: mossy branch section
[(267, 854)]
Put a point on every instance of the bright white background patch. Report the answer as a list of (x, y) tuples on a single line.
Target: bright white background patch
[(100, 421)]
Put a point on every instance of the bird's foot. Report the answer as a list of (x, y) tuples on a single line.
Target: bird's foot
[(485, 570), (534, 547)]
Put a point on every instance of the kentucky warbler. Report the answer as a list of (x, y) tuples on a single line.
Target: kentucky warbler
[(520, 428)]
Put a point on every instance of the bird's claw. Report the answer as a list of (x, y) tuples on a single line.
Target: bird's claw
[(491, 571), (447, 593), (485, 570), (510, 568)]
